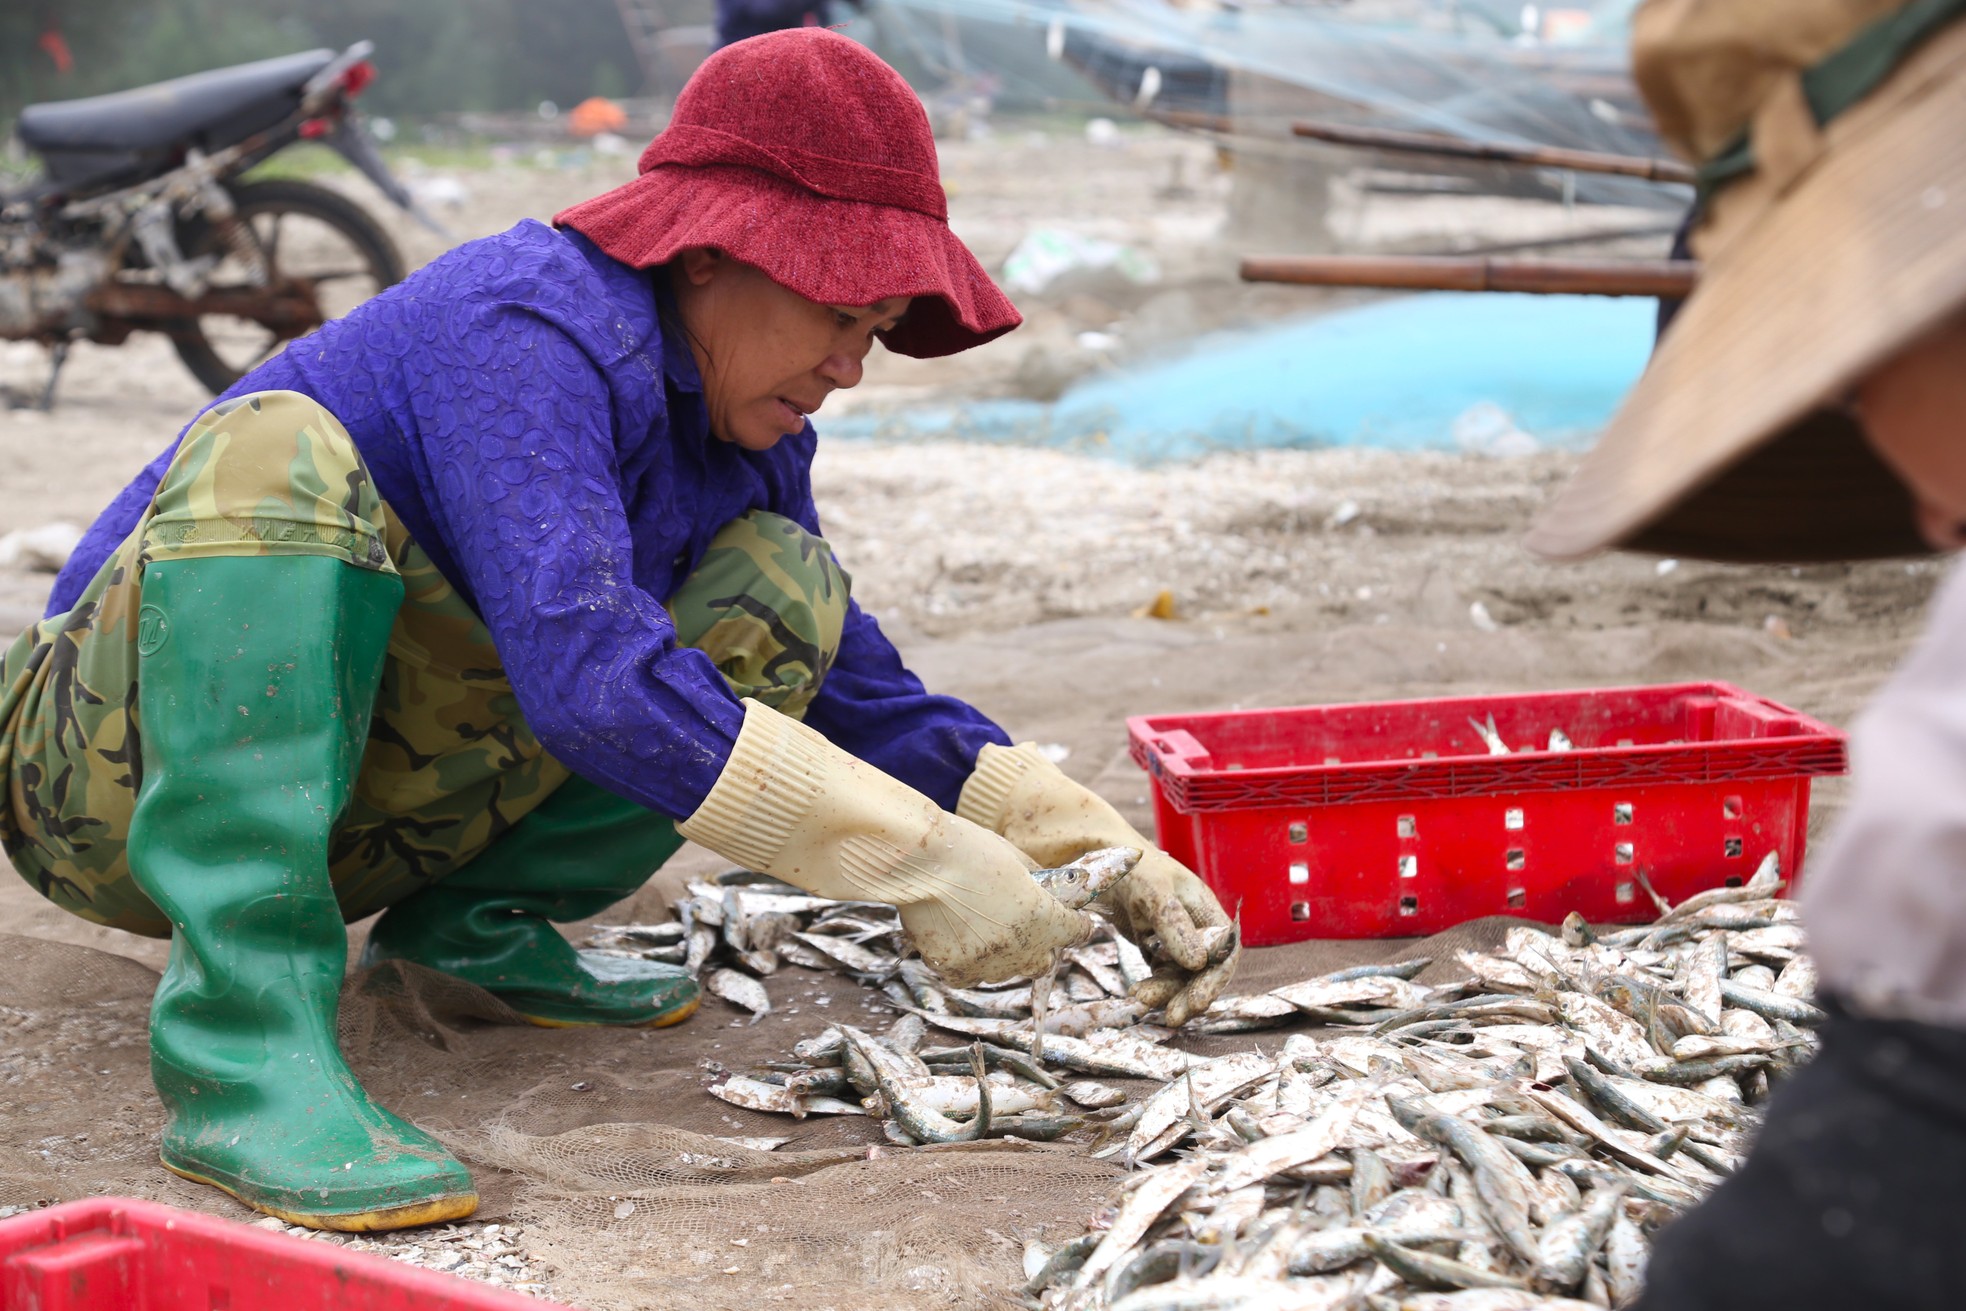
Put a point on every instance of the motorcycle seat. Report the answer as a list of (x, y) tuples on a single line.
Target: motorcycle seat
[(241, 100)]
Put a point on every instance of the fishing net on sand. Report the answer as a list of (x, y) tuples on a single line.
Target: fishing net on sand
[(600, 1145)]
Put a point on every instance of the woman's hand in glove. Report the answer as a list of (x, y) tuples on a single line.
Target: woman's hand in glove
[(1163, 898), (1053, 820), (793, 805)]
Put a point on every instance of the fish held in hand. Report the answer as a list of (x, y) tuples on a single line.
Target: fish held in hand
[(1080, 883)]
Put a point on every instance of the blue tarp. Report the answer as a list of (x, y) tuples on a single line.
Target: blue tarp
[(1432, 371)]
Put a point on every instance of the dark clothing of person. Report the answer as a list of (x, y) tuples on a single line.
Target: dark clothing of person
[(1849, 1198), (738, 19)]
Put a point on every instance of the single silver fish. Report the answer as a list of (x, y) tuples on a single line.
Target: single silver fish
[(1490, 738), (1427, 1270), (1093, 1096), (1289, 1151), (1137, 1214), (920, 1122), (740, 990), (757, 1095), (1625, 1255), (1079, 883), (1797, 979), (1202, 1086), (667, 934), (1495, 1173), (1772, 1005), (1565, 1249), (702, 944)]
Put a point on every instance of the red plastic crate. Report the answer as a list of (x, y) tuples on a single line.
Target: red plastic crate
[(1390, 819), (119, 1254)]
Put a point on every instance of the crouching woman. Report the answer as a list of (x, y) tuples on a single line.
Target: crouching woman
[(471, 606)]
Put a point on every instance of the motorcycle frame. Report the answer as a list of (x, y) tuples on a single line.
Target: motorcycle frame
[(146, 211)]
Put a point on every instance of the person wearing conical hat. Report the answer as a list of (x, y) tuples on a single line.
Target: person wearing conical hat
[(1809, 403), (471, 606)]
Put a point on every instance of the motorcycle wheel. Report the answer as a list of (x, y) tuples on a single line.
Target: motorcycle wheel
[(302, 231)]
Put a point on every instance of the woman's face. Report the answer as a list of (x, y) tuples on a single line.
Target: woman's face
[(768, 356), (1913, 407)]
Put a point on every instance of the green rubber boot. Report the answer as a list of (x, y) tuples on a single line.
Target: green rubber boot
[(257, 676), (580, 852)]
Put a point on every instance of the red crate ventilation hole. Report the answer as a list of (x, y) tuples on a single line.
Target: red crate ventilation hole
[(119, 1254), (1391, 819)]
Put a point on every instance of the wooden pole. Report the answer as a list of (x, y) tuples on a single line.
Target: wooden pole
[(1219, 124), (1427, 143), (1667, 278)]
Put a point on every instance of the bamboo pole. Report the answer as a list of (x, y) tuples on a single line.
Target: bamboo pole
[(1667, 278), (1427, 143), (1220, 124)]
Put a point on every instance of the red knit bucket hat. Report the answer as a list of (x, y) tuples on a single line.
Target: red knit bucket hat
[(803, 154)]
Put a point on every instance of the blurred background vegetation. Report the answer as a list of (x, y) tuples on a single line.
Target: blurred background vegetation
[(434, 56)]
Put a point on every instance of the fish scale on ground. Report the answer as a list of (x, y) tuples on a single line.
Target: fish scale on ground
[(1507, 1142)]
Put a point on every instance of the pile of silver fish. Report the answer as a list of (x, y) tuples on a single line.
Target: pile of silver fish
[(1510, 1140), (740, 929), (744, 927)]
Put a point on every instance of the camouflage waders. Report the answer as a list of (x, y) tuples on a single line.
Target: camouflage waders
[(450, 762)]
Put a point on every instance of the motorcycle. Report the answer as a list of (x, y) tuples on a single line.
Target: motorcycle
[(141, 219)]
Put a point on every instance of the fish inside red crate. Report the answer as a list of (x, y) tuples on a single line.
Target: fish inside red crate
[(1398, 819)]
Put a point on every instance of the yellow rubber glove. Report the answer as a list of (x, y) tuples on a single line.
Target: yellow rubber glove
[(1018, 793), (791, 804)]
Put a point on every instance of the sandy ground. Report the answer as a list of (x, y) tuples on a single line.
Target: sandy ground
[(1011, 577)]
